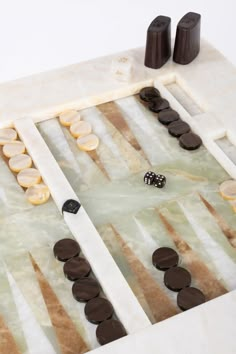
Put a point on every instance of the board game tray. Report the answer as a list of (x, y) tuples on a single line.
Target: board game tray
[(121, 220)]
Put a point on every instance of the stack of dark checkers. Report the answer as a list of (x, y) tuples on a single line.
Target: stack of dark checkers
[(177, 278), (87, 289), (179, 129)]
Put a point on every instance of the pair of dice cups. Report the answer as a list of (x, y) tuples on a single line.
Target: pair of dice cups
[(187, 42), (157, 181), (177, 278)]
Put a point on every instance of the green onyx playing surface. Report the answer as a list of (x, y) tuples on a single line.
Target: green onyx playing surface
[(133, 219)]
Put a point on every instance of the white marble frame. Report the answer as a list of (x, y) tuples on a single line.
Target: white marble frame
[(209, 328)]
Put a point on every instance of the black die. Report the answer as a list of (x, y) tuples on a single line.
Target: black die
[(149, 177), (159, 181)]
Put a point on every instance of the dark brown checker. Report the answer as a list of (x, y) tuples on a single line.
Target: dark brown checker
[(190, 141), (109, 330), (147, 94), (76, 268), (98, 310), (168, 116), (178, 128), (85, 289), (164, 258), (158, 104), (66, 249), (177, 278), (190, 297)]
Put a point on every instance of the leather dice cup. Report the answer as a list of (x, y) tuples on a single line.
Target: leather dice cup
[(158, 45), (187, 42)]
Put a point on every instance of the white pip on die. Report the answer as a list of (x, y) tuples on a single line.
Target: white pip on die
[(122, 67)]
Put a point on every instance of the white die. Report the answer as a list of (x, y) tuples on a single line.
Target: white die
[(121, 68)]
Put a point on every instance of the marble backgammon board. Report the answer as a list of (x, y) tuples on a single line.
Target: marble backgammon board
[(121, 221)]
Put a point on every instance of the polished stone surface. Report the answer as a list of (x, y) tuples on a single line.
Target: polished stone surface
[(133, 219)]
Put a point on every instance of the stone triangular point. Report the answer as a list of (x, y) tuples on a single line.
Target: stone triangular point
[(112, 112), (160, 305), (7, 342), (204, 277), (69, 339), (96, 159), (229, 233)]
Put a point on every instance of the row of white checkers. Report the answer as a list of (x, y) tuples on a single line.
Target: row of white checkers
[(79, 129), (21, 163)]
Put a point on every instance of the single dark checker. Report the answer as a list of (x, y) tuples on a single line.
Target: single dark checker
[(178, 128), (147, 94), (164, 258), (158, 43), (159, 181), (66, 249), (190, 297), (177, 278), (149, 177), (190, 141), (158, 104), (71, 206), (85, 289), (98, 310), (187, 42), (110, 330), (76, 268), (168, 116)]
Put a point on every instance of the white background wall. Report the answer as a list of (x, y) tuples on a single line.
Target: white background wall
[(38, 35)]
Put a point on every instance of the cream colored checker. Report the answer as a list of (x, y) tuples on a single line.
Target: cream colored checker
[(7, 135), (228, 190), (79, 129), (234, 205), (88, 143), (69, 117), (20, 162), (38, 194), (28, 177), (14, 148)]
